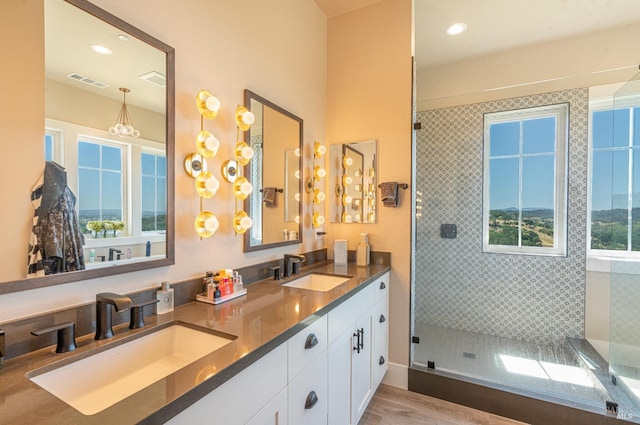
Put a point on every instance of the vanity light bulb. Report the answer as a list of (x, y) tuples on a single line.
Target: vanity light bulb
[(317, 220), (297, 197), (346, 199), (248, 117), (207, 184), (318, 196), (319, 172), (244, 118), (207, 104), (297, 219), (347, 161), (358, 218), (358, 188), (242, 188), (243, 153), (319, 149), (346, 180), (207, 144), (297, 174), (346, 218), (213, 104), (297, 152), (241, 222), (206, 224)]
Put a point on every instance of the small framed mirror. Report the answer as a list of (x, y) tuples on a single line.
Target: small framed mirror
[(274, 171), (352, 179)]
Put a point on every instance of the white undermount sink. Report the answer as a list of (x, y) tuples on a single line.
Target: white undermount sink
[(94, 383), (317, 282)]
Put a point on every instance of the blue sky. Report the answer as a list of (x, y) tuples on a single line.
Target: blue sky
[(530, 144)]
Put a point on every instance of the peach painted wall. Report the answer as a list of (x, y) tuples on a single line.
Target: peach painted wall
[(276, 49), (369, 97)]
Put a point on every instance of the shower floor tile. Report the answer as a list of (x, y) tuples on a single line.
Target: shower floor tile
[(552, 370)]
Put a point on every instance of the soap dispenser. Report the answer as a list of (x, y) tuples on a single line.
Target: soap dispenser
[(363, 250), (165, 298)]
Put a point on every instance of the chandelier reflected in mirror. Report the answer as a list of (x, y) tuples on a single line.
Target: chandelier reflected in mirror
[(124, 125)]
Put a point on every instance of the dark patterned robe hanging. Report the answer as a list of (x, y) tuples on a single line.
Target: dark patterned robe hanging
[(56, 239)]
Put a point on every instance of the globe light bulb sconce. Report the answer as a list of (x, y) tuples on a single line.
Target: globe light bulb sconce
[(317, 196), (195, 165)]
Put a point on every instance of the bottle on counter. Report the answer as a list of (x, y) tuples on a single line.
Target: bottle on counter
[(92, 255), (363, 250), (165, 298)]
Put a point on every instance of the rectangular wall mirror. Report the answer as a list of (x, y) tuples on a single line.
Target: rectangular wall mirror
[(352, 179), (94, 64), (274, 171)]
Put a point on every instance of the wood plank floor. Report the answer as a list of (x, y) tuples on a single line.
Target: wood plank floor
[(393, 406)]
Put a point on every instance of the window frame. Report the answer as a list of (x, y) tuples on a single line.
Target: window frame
[(155, 153), (561, 113), (601, 105), (124, 173)]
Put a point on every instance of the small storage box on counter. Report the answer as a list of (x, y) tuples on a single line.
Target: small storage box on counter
[(223, 286)]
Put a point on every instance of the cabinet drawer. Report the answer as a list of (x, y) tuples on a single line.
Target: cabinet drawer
[(343, 316), (306, 345), (308, 394), (381, 286)]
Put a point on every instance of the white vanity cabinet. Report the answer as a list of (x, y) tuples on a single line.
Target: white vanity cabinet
[(356, 340), (326, 374), (248, 394)]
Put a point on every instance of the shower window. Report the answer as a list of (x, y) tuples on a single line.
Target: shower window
[(615, 180), (525, 181)]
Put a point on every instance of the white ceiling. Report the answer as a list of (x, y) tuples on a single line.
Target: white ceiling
[(69, 32), (499, 25)]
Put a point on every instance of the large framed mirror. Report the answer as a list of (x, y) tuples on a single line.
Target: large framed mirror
[(274, 171), (98, 71), (352, 176)]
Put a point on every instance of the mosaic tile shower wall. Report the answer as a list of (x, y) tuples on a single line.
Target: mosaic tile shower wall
[(526, 297)]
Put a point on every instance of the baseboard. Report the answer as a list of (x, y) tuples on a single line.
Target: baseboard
[(397, 376)]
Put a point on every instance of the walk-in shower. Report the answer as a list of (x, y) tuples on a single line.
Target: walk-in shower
[(514, 321)]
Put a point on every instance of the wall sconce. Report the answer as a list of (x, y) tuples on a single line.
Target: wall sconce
[(195, 165), (124, 125), (232, 173), (317, 219)]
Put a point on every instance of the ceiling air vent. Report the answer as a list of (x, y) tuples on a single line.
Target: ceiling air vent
[(154, 77), (87, 80)]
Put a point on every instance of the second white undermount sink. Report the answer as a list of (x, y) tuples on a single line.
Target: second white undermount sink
[(94, 383), (317, 282)]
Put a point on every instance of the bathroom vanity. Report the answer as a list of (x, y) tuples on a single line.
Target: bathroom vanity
[(291, 355)]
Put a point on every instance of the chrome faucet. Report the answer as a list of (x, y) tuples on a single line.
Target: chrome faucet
[(111, 251), (104, 301), (292, 263)]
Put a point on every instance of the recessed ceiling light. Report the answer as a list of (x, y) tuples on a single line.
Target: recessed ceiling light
[(456, 28), (101, 49), (123, 37)]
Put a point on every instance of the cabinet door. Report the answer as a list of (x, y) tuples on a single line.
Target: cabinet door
[(361, 370), (308, 402), (380, 318), (241, 397), (306, 345), (339, 375), (274, 413)]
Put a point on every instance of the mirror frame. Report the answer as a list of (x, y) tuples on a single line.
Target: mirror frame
[(248, 96), (57, 279)]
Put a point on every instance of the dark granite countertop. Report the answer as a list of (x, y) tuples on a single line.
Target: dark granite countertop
[(263, 319)]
